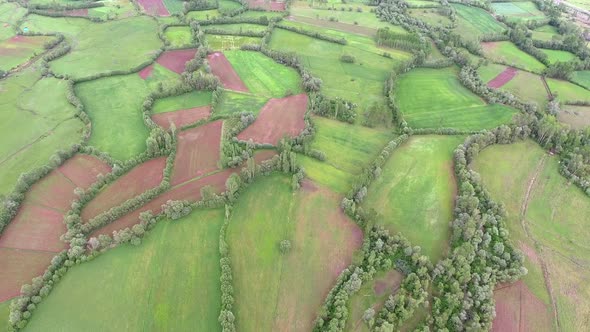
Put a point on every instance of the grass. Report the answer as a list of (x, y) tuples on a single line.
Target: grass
[(558, 56), (15, 53), (518, 11), (423, 4), (567, 91), (36, 120), (228, 42), (490, 71), (525, 85), (507, 53), (578, 117), (236, 102), (348, 149), (10, 13), (262, 75), (226, 6), (264, 279), (582, 78), (236, 28), (69, 26), (4, 311), (364, 18), (178, 36), (556, 217), (360, 82), (415, 193), (546, 33), (181, 102), (434, 98), (203, 15), (473, 22), (169, 283), (173, 6), (259, 14), (113, 45), (430, 16)]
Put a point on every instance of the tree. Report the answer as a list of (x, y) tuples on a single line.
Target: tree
[(285, 246)]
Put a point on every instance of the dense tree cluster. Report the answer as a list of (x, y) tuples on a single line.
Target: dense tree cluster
[(336, 108)]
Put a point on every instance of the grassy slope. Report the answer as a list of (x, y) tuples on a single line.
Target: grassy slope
[(556, 55), (178, 36), (236, 102), (265, 280), (546, 33), (556, 217), (4, 310), (415, 192), (430, 16), (524, 85), (507, 53), (222, 42), (578, 117), (10, 13), (234, 28), (203, 15), (433, 98), (567, 91), (348, 149), (518, 11), (262, 75), (582, 78), (181, 102), (36, 121), (474, 22), (169, 283), (360, 82), (16, 53), (364, 18)]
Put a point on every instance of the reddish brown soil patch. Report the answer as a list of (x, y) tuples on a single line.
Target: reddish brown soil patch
[(223, 69), (181, 118), (272, 5), (308, 185), (197, 153), (517, 309), (278, 118), (263, 155), (72, 12), (531, 254), (146, 72), (190, 191), (175, 60), (389, 283), (35, 228), (503, 78), (154, 7), (488, 46), (83, 170), (139, 179), (18, 268), (54, 191)]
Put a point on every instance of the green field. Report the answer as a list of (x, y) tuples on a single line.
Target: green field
[(348, 149), (181, 102), (15, 53), (423, 4), (431, 16), (263, 76), (36, 121), (178, 36), (518, 11), (258, 14), (415, 193), (558, 56), (10, 14), (203, 15), (4, 311), (236, 28), (360, 82), (322, 241), (71, 27), (546, 33), (508, 54), (228, 42), (173, 6), (524, 85), (153, 287), (227, 6), (434, 98), (582, 78), (567, 91), (474, 22), (556, 218), (236, 102), (364, 18)]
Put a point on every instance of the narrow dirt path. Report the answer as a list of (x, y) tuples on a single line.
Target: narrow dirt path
[(523, 211), (549, 93)]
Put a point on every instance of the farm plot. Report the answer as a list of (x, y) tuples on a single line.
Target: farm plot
[(508, 54), (235, 28), (271, 5), (277, 119), (348, 149), (236, 102), (263, 76), (135, 44), (582, 78), (36, 121), (474, 22), (415, 192), (173, 6), (203, 15), (578, 117), (546, 33), (168, 253), (197, 153), (10, 15), (525, 179), (154, 7), (182, 118), (503, 78), (524, 85), (71, 27), (223, 69), (30, 241), (567, 91), (517, 309), (360, 82), (558, 56), (178, 36), (322, 239), (431, 16), (228, 6), (139, 179), (434, 98), (19, 49), (183, 101), (363, 19), (518, 11), (175, 60), (230, 42)]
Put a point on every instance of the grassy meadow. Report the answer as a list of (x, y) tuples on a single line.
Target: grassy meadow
[(431, 16), (582, 78), (558, 56), (152, 287), (203, 15), (546, 33), (15, 53), (322, 240), (181, 102), (10, 14), (416, 190), (236, 102), (526, 86), (507, 53), (178, 36), (473, 22), (556, 218), (518, 11), (235, 28), (230, 42), (567, 91), (434, 98)]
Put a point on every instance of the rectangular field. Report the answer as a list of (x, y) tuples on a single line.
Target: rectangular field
[(474, 22), (183, 101), (518, 11), (507, 53)]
